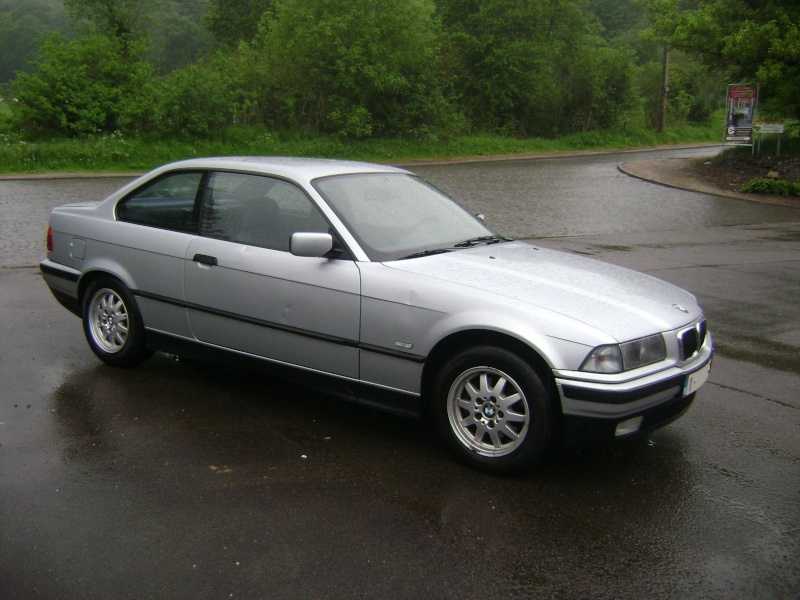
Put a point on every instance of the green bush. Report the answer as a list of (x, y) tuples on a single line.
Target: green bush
[(764, 185), (89, 85), (195, 101), (354, 68)]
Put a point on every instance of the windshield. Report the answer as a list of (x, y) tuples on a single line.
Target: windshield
[(395, 215)]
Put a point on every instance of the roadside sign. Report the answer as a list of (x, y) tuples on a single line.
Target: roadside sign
[(740, 112), (764, 127)]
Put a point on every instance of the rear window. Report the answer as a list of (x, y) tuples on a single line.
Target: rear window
[(167, 203)]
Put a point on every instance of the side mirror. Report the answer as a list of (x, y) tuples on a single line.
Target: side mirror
[(481, 217), (311, 245)]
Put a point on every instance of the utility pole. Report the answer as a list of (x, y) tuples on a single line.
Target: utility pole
[(662, 113)]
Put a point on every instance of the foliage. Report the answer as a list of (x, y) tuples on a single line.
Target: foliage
[(120, 18), (204, 98), (233, 22), (178, 39), (699, 86), (618, 17), (694, 90), (417, 69), (80, 87), (191, 102), (250, 84), (764, 185), (506, 58), (536, 68), (758, 41), (354, 68), (599, 95)]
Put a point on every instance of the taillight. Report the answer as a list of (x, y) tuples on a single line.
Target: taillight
[(49, 239)]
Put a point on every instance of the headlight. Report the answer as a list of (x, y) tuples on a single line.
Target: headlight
[(615, 358), (604, 359), (645, 351)]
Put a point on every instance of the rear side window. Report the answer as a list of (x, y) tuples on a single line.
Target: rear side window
[(167, 203)]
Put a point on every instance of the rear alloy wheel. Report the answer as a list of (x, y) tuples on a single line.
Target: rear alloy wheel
[(112, 324), (493, 410)]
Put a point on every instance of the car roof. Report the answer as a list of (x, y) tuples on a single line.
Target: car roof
[(283, 166)]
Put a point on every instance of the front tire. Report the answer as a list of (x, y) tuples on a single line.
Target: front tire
[(113, 325), (493, 410)]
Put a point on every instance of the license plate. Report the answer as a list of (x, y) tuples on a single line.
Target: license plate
[(695, 380)]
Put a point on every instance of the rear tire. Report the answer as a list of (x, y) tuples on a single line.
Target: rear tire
[(113, 325), (493, 410)]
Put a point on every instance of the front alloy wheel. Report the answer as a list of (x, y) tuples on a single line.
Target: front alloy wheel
[(493, 410), (488, 411)]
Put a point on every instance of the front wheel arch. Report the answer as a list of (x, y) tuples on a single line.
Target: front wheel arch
[(493, 409), (457, 342)]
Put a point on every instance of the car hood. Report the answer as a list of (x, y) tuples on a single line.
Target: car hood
[(617, 301)]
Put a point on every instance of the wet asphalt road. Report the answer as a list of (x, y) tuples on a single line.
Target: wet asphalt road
[(179, 480)]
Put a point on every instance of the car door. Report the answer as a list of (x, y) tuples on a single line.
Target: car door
[(245, 291)]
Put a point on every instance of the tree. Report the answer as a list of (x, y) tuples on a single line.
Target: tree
[(534, 67), (618, 17), (757, 40), (355, 67), (178, 37), (193, 101), (119, 18), (234, 21), (598, 91), (88, 85)]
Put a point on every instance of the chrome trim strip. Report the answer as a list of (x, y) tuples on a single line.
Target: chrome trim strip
[(348, 343)]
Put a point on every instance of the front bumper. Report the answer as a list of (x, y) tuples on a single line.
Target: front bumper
[(593, 411)]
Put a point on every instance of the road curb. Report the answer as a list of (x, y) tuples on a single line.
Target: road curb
[(673, 173)]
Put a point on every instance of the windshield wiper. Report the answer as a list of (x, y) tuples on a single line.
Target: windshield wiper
[(487, 239), (428, 253)]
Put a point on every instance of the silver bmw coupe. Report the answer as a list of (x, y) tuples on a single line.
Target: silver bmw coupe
[(369, 283)]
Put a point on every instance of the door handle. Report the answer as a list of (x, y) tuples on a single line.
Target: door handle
[(204, 259)]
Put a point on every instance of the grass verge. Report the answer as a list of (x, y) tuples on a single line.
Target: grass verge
[(121, 153)]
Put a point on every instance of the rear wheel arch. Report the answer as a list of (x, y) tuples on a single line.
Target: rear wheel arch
[(89, 277), (112, 322)]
